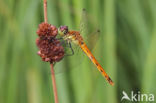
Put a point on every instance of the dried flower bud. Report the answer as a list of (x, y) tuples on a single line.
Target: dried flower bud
[(47, 30), (50, 50)]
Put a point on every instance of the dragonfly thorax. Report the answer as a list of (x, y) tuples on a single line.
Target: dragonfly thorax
[(74, 36), (70, 36)]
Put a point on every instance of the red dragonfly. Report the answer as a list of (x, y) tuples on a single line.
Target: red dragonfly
[(74, 37)]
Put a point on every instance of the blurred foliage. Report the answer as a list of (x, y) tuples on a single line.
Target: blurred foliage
[(126, 50)]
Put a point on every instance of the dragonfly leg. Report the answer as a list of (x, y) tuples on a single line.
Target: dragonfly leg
[(70, 46), (63, 42)]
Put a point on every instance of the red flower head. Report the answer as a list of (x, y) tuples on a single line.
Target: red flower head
[(47, 30), (50, 48)]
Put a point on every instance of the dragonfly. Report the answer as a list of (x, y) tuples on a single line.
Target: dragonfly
[(71, 36)]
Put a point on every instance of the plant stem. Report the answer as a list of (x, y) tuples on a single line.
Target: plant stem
[(51, 64), (45, 11), (54, 83)]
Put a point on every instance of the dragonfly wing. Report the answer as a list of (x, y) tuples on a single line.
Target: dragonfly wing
[(84, 23), (70, 61), (90, 37)]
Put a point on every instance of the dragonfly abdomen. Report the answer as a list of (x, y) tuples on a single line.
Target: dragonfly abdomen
[(95, 62)]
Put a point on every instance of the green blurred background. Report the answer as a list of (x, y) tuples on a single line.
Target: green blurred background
[(126, 49)]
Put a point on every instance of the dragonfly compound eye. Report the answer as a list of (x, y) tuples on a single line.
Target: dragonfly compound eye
[(64, 29)]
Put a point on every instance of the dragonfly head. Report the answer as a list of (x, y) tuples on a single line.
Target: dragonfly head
[(63, 30)]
